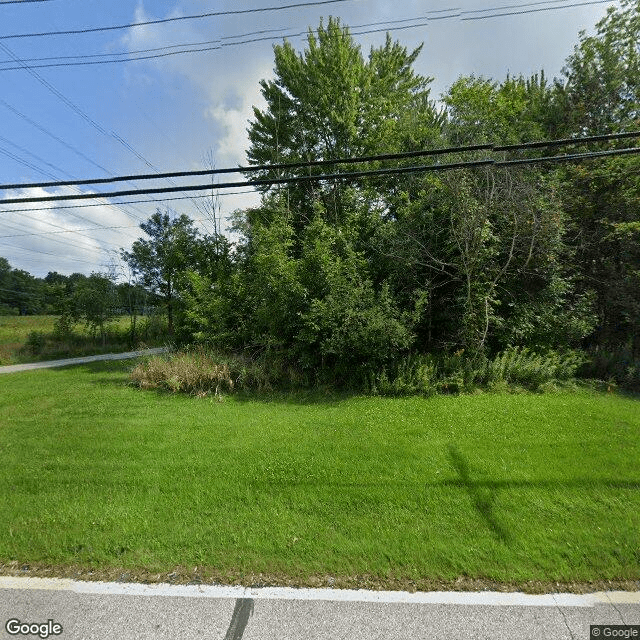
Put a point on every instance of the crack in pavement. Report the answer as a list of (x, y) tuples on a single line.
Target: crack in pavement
[(563, 617), (241, 614)]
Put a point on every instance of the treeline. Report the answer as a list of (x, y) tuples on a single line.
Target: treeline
[(347, 280), (384, 281), (22, 294)]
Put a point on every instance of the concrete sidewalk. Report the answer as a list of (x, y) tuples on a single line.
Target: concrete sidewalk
[(15, 368)]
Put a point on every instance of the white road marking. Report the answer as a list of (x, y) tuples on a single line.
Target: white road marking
[(482, 598)]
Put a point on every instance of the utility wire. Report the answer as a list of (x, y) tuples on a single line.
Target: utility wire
[(212, 45), (63, 242), (46, 233), (107, 204), (199, 16), (332, 176), (323, 163), (46, 253), (75, 108), (21, 1), (48, 133), (278, 31), (514, 13)]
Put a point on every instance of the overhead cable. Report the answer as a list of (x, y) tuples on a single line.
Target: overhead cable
[(349, 175), (423, 153), (199, 16), (212, 45)]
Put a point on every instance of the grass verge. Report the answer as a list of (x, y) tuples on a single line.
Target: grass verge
[(100, 479)]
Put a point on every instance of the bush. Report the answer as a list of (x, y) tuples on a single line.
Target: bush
[(457, 372), (192, 372), (523, 367), (617, 366), (35, 343), (202, 372), (63, 327)]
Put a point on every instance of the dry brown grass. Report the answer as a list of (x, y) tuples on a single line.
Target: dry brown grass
[(193, 372)]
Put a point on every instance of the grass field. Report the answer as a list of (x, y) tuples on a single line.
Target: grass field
[(15, 330), (397, 493)]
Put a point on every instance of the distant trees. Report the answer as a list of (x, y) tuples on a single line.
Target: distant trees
[(159, 261)]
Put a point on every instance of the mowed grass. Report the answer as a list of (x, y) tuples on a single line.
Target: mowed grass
[(96, 474)]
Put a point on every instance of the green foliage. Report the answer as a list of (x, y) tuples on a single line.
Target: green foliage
[(35, 343), (619, 367), (94, 302), (458, 372), (602, 76), (362, 283), (348, 328), (484, 111), (159, 261)]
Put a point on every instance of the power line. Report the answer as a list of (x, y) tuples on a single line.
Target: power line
[(79, 153), (199, 16), (514, 13), (46, 253), (21, 1), (212, 45), (46, 233), (332, 176), (220, 43), (107, 204), (323, 163), (63, 242)]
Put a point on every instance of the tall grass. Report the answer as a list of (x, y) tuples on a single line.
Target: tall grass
[(200, 372), (514, 367), (30, 338)]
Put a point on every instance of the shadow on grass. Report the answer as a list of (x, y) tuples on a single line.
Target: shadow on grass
[(482, 496)]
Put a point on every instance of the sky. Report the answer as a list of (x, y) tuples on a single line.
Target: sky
[(191, 110)]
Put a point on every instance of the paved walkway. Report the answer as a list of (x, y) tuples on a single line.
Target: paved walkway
[(14, 368)]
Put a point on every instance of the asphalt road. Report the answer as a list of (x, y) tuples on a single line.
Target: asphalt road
[(14, 368), (88, 611)]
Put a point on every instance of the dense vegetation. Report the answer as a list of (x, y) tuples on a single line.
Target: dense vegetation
[(375, 282)]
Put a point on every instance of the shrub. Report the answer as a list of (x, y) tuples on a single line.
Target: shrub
[(618, 366), (63, 327), (35, 343), (187, 372), (457, 372)]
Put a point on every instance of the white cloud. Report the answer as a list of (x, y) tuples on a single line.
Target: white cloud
[(60, 237)]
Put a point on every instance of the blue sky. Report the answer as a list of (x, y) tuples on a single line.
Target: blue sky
[(173, 113)]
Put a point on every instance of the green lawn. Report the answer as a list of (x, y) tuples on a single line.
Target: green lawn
[(98, 475)]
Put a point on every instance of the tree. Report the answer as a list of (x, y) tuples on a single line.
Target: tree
[(94, 301), (330, 102), (600, 93), (159, 261)]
